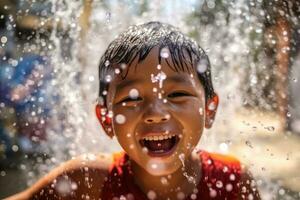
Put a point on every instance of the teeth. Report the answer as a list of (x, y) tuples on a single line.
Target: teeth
[(161, 137)]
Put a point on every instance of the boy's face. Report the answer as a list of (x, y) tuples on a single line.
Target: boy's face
[(157, 101)]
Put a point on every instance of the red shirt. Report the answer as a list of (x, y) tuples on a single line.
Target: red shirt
[(220, 179)]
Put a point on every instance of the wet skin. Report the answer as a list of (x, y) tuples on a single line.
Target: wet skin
[(147, 114), (180, 111)]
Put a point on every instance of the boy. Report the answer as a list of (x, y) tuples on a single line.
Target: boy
[(156, 96)]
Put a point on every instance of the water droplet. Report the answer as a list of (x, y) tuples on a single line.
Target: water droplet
[(288, 114), (122, 197), (130, 196), (232, 177), (133, 93), (91, 78), (14, 63), (3, 173), (151, 195), (193, 196), (180, 195), (201, 111), (258, 30), (164, 181), (160, 77), (74, 186), (123, 66), (253, 80), (250, 197), (167, 116), (181, 158), (211, 4), (212, 106), (281, 191), (288, 156), (63, 186), (145, 150), (202, 66), (164, 53), (248, 143), (209, 161), (3, 39), (91, 156), (108, 78), (110, 114), (120, 119), (225, 169), (159, 95), (219, 184), (270, 128), (223, 147), (229, 187), (154, 166), (15, 148), (108, 16), (100, 101), (107, 63), (212, 193), (117, 71)]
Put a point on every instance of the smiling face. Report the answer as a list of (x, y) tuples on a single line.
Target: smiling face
[(159, 114)]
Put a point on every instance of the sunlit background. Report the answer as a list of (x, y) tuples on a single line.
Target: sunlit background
[(49, 54)]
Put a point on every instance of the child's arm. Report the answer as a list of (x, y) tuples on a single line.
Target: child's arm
[(71, 180), (248, 188)]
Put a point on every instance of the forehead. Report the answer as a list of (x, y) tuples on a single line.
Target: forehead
[(150, 68)]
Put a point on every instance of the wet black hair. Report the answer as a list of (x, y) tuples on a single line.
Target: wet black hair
[(137, 42)]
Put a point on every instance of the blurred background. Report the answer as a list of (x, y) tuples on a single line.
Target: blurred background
[(50, 49)]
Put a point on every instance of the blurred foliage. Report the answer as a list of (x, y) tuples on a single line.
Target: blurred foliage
[(258, 85)]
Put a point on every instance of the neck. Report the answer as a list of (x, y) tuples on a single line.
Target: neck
[(184, 179)]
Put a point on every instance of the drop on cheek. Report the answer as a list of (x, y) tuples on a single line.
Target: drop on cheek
[(120, 119)]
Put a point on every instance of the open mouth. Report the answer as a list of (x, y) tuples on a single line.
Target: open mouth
[(160, 146)]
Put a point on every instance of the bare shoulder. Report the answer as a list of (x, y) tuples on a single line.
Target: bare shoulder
[(92, 161), (248, 185), (83, 175)]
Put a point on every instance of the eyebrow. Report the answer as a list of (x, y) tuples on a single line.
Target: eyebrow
[(127, 83), (178, 79), (175, 79)]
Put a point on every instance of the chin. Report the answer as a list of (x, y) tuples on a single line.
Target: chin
[(157, 168)]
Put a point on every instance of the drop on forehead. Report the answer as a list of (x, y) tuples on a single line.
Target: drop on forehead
[(161, 59)]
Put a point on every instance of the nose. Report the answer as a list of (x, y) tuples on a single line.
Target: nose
[(156, 113)]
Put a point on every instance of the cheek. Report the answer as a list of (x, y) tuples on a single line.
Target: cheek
[(191, 116), (191, 112), (124, 125), (124, 121)]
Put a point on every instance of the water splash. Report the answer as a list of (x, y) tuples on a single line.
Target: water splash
[(74, 124), (160, 77)]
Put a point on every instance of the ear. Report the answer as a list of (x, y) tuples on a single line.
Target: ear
[(211, 108), (105, 120)]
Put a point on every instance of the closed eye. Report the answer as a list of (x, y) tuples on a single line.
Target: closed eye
[(130, 99), (178, 94)]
